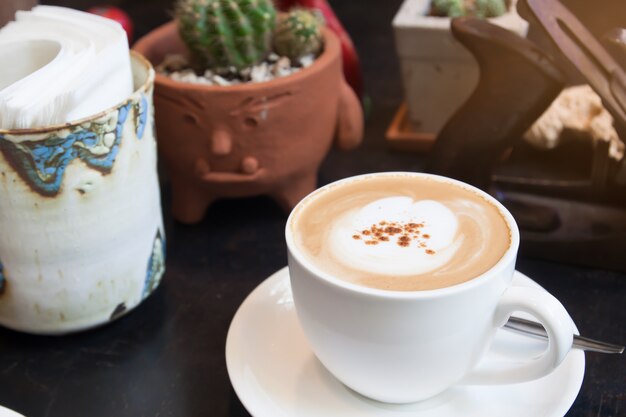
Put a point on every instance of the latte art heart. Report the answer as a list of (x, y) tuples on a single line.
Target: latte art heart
[(396, 235), (401, 232)]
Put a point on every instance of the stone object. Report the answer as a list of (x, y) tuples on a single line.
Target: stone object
[(579, 110)]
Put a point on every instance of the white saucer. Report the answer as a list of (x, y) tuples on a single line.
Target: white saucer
[(275, 374), (5, 412)]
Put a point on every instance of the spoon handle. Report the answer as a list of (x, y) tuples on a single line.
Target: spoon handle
[(532, 328)]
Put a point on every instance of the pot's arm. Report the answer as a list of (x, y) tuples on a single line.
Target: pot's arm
[(349, 119)]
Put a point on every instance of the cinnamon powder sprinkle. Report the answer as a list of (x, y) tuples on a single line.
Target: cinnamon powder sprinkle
[(405, 234)]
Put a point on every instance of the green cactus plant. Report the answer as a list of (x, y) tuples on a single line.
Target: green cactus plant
[(476, 8), (298, 33), (225, 33), (489, 8), (449, 8)]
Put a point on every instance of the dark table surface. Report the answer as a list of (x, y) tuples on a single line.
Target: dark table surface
[(166, 358)]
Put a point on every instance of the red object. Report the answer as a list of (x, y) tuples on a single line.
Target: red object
[(351, 67), (116, 14)]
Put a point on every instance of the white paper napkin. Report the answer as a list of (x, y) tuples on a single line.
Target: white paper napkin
[(63, 65)]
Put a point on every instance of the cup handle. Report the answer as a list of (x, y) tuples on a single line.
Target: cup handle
[(554, 318)]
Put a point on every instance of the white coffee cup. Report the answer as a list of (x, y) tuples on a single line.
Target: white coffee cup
[(401, 347)]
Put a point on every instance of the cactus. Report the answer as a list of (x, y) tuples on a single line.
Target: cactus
[(449, 8), (224, 33), (298, 33), (489, 8), (477, 8)]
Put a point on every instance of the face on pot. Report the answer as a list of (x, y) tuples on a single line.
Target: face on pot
[(252, 135)]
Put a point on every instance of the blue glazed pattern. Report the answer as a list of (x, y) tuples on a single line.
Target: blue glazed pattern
[(41, 163), (105, 162), (156, 265), (141, 116)]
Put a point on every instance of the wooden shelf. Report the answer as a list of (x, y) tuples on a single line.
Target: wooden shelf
[(401, 136)]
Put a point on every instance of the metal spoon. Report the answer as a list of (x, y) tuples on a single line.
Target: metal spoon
[(535, 329)]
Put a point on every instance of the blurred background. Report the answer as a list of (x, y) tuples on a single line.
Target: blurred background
[(598, 15), (165, 358)]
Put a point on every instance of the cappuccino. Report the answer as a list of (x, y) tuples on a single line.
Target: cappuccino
[(400, 232)]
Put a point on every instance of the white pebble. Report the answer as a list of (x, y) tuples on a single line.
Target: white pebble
[(259, 73), (189, 77), (220, 80), (282, 67), (275, 66), (245, 73), (307, 60)]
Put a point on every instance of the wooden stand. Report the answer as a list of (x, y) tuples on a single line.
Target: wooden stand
[(401, 136)]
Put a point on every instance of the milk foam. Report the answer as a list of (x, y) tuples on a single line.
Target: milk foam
[(401, 232), (435, 244)]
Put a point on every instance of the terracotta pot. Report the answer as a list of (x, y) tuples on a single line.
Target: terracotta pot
[(251, 139)]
